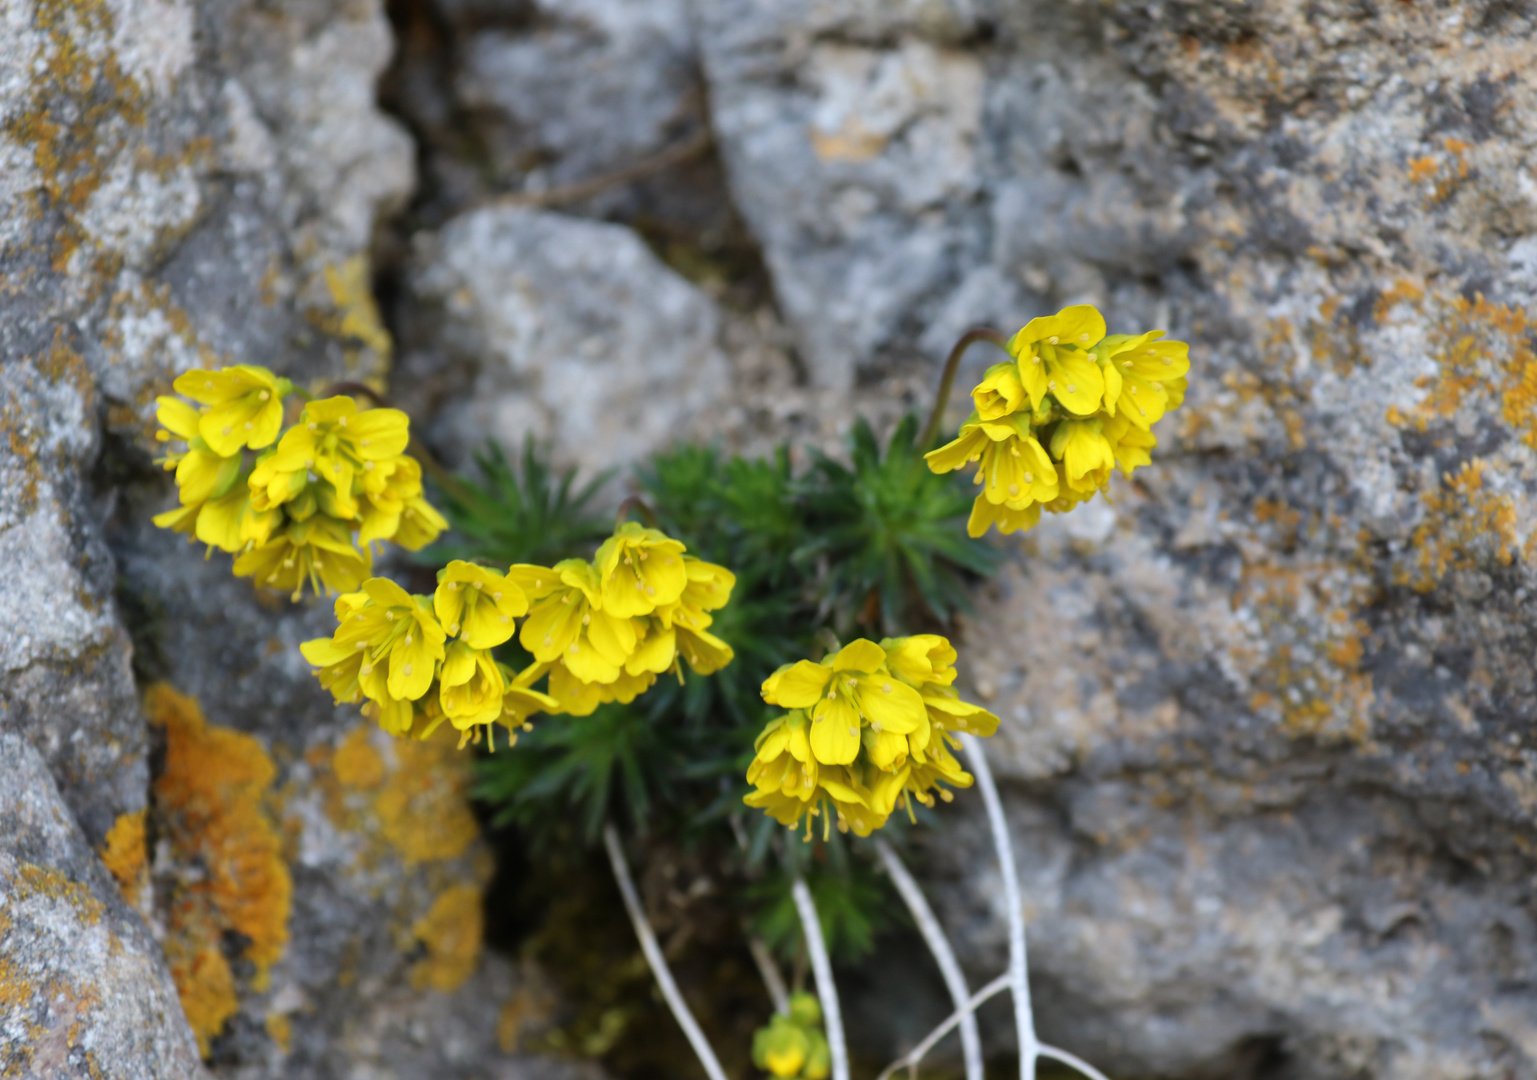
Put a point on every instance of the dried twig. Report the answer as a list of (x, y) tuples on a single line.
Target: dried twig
[(1019, 977), (822, 971), (911, 1059), (566, 194), (944, 956), (654, 957)]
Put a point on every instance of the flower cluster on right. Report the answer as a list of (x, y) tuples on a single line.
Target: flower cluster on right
[(869, 726), (1050, 424)]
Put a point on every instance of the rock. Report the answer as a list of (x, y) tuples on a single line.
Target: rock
[(84, 990), (589, 88), (1265, 715), (565, 329)]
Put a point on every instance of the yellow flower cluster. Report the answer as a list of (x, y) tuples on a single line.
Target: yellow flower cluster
[(870, 724), (601, 631), (1051, 423), (301, 508), (792, 1046)]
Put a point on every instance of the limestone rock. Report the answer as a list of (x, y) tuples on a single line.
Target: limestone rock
[(84, 990), (565, 329)]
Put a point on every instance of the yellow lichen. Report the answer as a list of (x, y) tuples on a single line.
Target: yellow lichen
[(356, 763), (423, 810), (451, 931), (34, 880), (124, 854), (356, 319), (280, 1031), (1465, 527), (211, 802)]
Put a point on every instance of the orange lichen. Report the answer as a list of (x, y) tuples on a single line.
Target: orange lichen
[(356, 763), (1465, 527), (205, 984), (124, 854), (452, 931), (211, 801), (1310, 677), (1483, 351), (34, 880), (422, 809)]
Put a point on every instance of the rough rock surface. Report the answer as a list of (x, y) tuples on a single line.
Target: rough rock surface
[(84, 991), (1266, 715), (566, 329), (189, 185)]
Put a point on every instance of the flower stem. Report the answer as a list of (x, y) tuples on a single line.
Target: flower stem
[(773, 981), (911, 1059), (822, 971), (946, 380), (944, 955), (654, 957), (1019, 975), (640, 506)]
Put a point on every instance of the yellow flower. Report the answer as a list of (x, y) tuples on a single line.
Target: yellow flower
[(245, 406), (522, 701), (578, 698), (420, 523), (792, 1047), (1013, 466), (387, 492), (201, 474), (1086, 455), (1000, 392), (477, 604), (398, 631), (640, 570), (471, 686), (792, 783), (566, 621), (844, 693), (1144, 367), (681, 625), (986, 515), (318, 551), (230, 523), (1054, 358), (1129, 443), (339, 667)]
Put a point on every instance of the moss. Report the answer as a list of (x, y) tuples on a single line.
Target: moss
[(211, 801)]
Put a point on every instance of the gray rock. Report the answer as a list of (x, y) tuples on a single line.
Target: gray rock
[(588, 88), (565, 329), (84, 990)]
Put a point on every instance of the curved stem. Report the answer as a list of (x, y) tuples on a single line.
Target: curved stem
[(822, 971), (654, 957), (1019, 976), (637, 504), (356, 389), (773, 981), (952, 365), (944, 955), (912, 1057), (1072, 1061)]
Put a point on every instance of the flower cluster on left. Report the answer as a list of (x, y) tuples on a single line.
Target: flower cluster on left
[(600, 631), (296, 506)]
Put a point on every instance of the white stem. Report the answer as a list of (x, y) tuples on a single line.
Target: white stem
[(772, 980), (1072, 1061), (912, 1057), (822, 971), (944, 956), (1019, 977), (658, 962)]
